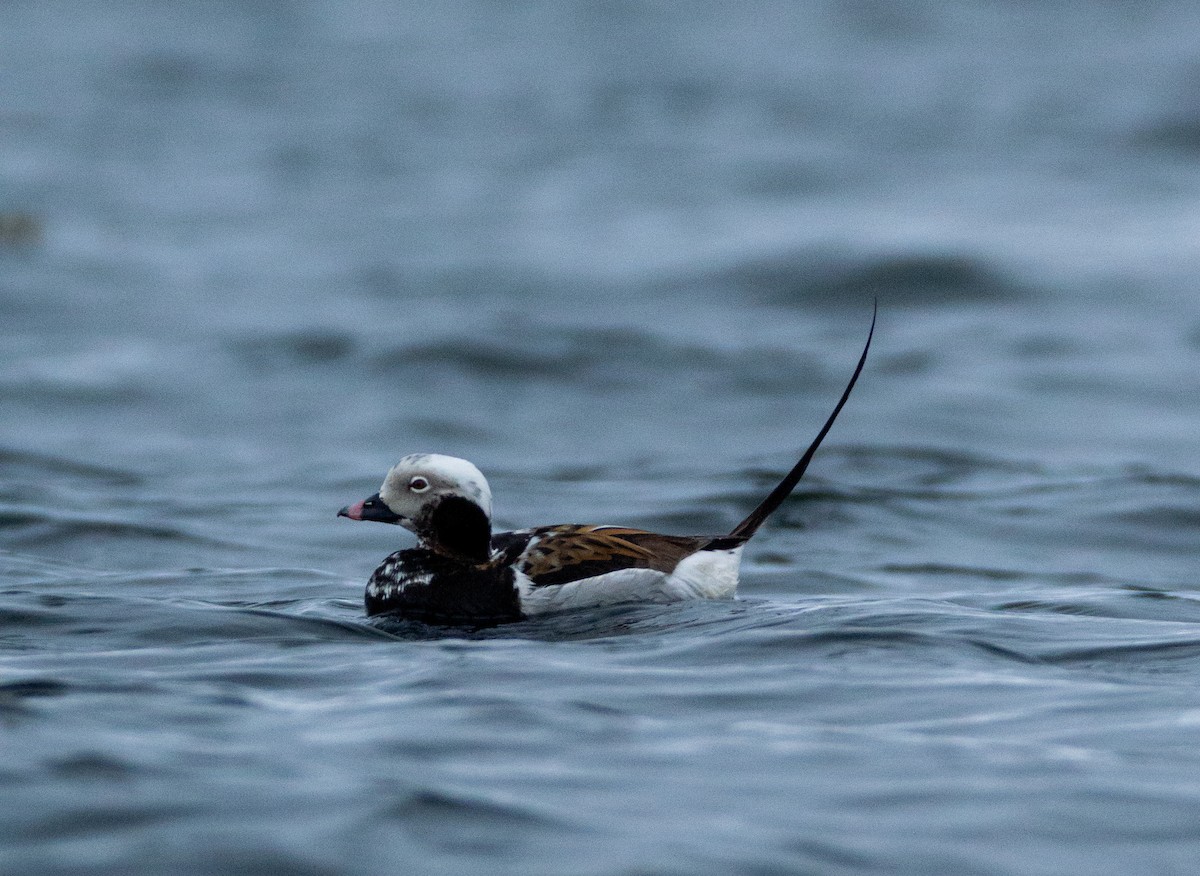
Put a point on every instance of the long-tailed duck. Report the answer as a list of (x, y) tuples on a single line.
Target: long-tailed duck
[(462, 573)]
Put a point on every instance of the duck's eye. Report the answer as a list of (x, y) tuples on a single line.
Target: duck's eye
[(418, 485)]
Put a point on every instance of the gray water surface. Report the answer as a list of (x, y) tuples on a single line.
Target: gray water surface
[(621, 256)]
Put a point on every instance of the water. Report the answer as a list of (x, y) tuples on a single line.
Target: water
[(622, 257)]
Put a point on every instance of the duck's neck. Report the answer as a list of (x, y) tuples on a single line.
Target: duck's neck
[(458, 528)]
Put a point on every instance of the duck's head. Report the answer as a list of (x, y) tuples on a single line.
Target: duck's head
[(444, 500)]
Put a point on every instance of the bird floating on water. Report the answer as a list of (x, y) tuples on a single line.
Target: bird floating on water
[(462, 573)]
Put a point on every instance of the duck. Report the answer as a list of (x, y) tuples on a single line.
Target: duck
[(462, 573)]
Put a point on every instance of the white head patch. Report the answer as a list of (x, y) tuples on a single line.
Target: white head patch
[(419, 479)]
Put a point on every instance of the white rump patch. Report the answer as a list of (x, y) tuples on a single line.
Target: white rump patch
[(707, 575)]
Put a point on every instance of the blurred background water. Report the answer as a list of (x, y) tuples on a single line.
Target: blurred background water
[(620, 255)]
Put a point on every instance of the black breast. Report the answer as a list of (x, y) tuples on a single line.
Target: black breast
[(418, 584)]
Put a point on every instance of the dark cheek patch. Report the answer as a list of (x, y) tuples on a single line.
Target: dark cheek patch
[(459, 527)]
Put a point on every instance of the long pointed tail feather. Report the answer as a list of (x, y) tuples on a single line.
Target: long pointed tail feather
[(750, 525)]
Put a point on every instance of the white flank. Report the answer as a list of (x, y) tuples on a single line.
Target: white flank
[(703, 575)]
